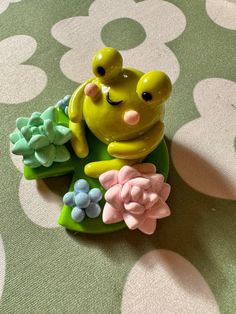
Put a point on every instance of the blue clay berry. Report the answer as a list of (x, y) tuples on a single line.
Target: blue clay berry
[(82, 200), (69, 199), (95, 195), (93, 210), (77, 214), (81, 185)]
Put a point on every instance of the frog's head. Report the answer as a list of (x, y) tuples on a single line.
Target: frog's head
[(122, 103)]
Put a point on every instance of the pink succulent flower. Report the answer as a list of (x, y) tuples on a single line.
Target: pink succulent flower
[(136, 195)]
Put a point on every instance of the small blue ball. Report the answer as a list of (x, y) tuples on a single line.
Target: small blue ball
[(95, 195), (93, 210), (81, 185), (82, 200), (60, 103), (69, 199), (66, 99), (77, 214)]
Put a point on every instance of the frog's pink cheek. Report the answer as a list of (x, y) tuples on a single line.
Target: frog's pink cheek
[(131, 117), (91, 90)]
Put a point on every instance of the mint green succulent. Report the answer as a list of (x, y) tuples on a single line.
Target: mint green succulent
[(41, 139)]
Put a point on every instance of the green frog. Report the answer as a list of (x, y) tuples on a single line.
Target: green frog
[(123, 108)]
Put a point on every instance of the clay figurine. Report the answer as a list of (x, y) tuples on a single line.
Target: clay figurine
[(123, 107)]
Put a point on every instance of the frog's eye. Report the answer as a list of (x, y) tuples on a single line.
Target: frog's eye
[(100, 71), (146, 96), (154, 87), (107, 64)]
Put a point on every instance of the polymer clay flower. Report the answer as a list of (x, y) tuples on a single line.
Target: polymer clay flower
[(64, 103), (41, 139), (136, 195), (83, 201), (123, 25)]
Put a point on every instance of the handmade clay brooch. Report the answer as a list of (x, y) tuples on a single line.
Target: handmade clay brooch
[(109, 134)]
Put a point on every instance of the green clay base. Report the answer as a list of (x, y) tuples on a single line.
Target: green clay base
[(98, 151)]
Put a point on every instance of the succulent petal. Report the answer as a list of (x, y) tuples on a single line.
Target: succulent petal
[(31, 161), (50, 113), (22, 121), (46, 155), (15, 136), (21, 147), (38, 141), (62, 154), (62, 135), (49, 129)]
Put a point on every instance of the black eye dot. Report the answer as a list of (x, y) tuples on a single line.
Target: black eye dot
[(101, 71), (147, 96)]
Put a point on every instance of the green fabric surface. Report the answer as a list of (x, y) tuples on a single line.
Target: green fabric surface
[(46, 269)]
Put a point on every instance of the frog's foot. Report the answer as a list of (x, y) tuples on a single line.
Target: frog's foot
[(96, 168)]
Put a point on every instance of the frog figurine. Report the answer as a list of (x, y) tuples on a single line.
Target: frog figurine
[(122, 107)]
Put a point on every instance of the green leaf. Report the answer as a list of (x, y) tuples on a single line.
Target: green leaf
[(20, 122), (31, 161), (62, 135), (50, 113), (38, 141), (15, 136), (46, 155), (62, 154), (21, 147)]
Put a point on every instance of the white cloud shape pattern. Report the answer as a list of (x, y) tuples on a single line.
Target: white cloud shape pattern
[(222, 12), (162, 281), (40, 204), (2, 266), (161, 20), (19, 82), (203, 150), (4, 4)]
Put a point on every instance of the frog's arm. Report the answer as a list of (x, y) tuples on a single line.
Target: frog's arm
[(139, 147), (76, 123), (78, 141), (75, 110)]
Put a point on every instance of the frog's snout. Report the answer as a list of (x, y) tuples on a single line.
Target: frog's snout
[(92, 90), (131, 117)]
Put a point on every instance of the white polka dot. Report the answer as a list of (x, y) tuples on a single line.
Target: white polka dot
[(39, 203), (83, 35), (164, 282), (19, 83), (2, 266), (203, 150), (222, 12), (4, 4)]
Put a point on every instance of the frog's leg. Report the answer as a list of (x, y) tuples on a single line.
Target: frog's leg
[(127, 152), (96, 168), (139, 147)]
